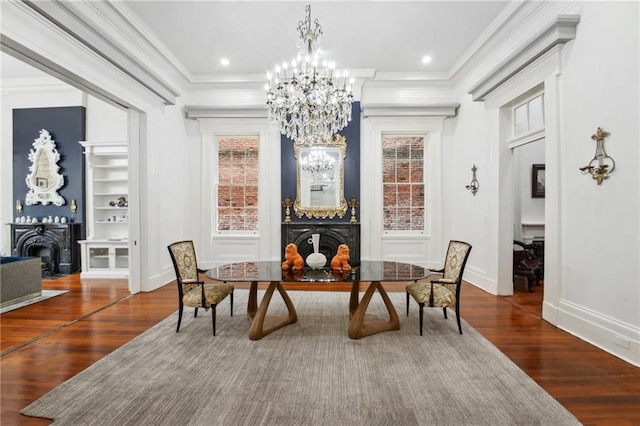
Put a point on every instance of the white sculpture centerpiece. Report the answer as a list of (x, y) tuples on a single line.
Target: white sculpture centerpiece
[(316, 260)]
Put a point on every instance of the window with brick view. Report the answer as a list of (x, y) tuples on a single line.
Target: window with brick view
[(403, 183), (238, 183)]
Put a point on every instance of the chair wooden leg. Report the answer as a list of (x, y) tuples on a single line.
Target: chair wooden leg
[(458, 318), (195, 313), (179, 317), (421, 316), (445, 312), (407, 303), (213, 318), (231, 301)]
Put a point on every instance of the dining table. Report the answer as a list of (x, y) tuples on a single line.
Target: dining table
[(373, 272)]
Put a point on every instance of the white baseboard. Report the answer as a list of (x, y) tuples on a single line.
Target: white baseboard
[(157, 281), (478, 278), (615, 337)]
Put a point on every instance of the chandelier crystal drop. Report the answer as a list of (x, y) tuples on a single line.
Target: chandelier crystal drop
[(319, 166), (305, 97)]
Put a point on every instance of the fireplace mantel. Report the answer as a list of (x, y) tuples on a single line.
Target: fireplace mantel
[(60, 240), (331, 236)]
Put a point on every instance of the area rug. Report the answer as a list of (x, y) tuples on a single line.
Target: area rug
[(308, 373), (46, 294)]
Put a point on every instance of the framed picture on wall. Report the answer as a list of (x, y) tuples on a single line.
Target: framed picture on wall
[(537, 181)]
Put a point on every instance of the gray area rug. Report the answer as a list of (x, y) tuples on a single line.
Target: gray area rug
[(308, 373), (46, 294)]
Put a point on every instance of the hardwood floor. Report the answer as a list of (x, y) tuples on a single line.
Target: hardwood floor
[(47, 343)]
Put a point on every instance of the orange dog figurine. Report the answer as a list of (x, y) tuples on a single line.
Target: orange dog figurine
[(340, 261), (292, 259)]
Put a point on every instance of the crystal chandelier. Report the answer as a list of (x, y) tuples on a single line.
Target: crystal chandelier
[(319, 166), (307, 99)]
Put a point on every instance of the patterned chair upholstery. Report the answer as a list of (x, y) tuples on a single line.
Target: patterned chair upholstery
[(443, 292), (192, 292)]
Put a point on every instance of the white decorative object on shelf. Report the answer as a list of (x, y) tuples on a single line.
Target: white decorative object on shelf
[(316, 260)]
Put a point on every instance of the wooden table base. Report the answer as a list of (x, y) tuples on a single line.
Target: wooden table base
[(360, 326), (261, 325)]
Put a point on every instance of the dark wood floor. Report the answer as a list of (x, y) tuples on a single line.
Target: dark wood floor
[(47, 343)]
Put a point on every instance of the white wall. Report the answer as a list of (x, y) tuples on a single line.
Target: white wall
[(467, 217), (105, 122), (600, 224), (170, 197)]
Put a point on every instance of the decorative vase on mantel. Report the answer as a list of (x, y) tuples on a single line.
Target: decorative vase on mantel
[(316, 260)]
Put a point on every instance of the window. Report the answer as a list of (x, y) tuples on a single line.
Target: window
[(528, 116), (238, 183), (403, 183)]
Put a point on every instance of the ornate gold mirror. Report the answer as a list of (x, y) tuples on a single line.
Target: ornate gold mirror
[(44, 178), (320, 179)]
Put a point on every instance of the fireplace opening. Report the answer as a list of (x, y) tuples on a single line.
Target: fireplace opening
[(331, 236), (46, 251), (45, 254)]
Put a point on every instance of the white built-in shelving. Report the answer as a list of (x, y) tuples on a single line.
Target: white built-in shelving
[(105, 252)]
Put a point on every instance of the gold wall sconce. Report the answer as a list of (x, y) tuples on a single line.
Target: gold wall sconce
[(353, 204), (287, 203), (474, 185), (601, 166), (73, 207)]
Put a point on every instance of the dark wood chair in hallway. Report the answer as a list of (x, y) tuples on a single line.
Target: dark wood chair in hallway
[(526, 264)]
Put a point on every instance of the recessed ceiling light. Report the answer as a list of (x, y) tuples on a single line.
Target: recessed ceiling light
[(224, 62), (426, 59)]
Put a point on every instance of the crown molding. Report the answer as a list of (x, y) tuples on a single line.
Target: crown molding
[(434, 110), (34, 84), (104, 28), (488, 38), (408, 76), (196, 112), (33, 38), (561, 30)]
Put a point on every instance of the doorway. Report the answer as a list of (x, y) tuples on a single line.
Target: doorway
[(529, 225), (527, 147), (14, 67)]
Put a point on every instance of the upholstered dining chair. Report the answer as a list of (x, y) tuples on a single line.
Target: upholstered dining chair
[(442, 292), (193, 292)]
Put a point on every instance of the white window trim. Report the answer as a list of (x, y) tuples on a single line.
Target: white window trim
[(371, 177), (231, 246)]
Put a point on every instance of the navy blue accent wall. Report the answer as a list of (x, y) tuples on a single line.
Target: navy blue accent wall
[(67, 126), (351, 167)]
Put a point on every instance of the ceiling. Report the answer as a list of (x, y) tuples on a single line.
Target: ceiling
[(381, 36), (387, 36)]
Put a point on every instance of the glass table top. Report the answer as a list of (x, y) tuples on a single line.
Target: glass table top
[(368, 270)]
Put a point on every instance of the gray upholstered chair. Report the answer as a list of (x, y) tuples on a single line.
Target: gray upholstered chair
[(442, 292), (193, 292)]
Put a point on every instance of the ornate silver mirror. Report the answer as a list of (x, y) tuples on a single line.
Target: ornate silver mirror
[(44, 179), (320, 179)]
